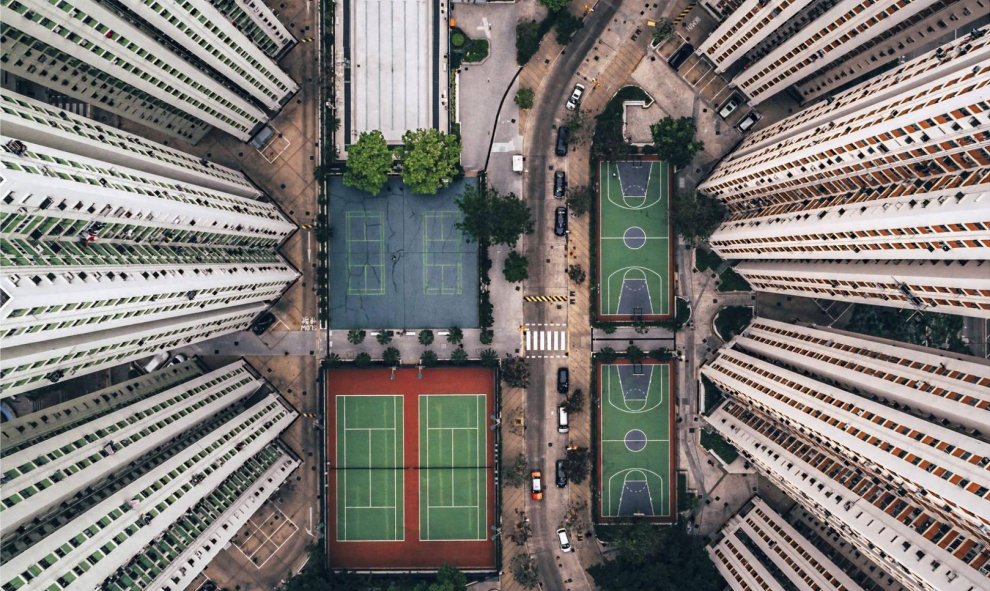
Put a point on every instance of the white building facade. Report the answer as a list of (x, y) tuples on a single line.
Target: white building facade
[(136, 527), (184, 70), (757, 547), (802, 408)]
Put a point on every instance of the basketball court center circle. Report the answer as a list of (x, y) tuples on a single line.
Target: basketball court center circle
[(635, 440), (634, 238)]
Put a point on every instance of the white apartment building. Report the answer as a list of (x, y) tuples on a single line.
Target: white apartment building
[(131, 537), (794, 45), (96, 54), (921, 549), (27, 367), (919, 128), (949, 287), (757, 548), (259, 24), (941, 19), (945, 225), (954, 388), (206, 35), (59, 464), (34, 122)]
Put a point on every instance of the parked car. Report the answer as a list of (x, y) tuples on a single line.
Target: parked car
[(748, 121), (729, 107), (575, 100), (154, 363), (560, 221), (561, 473), (178, 358), (562, 419), (563, 380), (565, 543), (563, 136), (559, 184), (263, 323), (537, 489), (680, 56)]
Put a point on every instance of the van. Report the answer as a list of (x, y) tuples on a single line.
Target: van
[(748, 121), (561, 419), (155, 362), (729, 107), (565, 544)]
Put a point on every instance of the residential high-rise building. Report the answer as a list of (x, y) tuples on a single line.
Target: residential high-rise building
[(854, 198), (758, 549), (887, 444), (35, 122), (104, 263), (183, 69), (779, 43), (139, 485), (258, 23)]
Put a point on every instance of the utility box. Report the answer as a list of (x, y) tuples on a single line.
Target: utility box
[(517, 163)]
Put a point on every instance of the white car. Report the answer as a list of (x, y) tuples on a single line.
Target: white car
[(575, 100), (565, 544), (729, 107)]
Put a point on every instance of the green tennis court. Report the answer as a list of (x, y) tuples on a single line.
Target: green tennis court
[(636, 471), (369, 468), (452, 494), (634, 239)]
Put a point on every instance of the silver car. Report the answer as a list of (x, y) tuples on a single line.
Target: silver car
[(575, 100)]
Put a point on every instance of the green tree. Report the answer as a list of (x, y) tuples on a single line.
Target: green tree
[(489, 358), (516, 267), (555, 5), (567, 24), (391, 357), (528, 35), (426, 337), (696, 216), (575, 402), (577, 274), (384, 337), (524, 98), (429, 160), (579, 200), (449, 579), (607, 355), (368, 163), (458, 356), (355, 336), (577, 462), (428, 359), (634, 353), (659, 559), (493, 218), (663, 30), (514, 474), (524, 571), (487, 336), (675, 141), (661, 354), (455, 335), (331, 360), (515, 371), (362, 359)]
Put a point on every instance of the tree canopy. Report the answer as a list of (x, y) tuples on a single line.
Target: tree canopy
[(675, 141), (368, 163), (657, 559), (555, 5), (696, 216), (493, 218), (429, 160), (516, 267), (524, 98)]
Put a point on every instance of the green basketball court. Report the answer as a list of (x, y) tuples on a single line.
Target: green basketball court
[(370, 468), (634, 240), (635, 449), (452, 494)]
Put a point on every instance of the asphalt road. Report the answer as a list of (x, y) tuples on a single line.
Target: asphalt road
[(542, 371)]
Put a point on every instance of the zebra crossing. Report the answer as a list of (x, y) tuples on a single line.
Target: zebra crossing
[(544, 341)]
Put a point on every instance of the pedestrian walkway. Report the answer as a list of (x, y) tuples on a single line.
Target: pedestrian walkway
[(544, 341)]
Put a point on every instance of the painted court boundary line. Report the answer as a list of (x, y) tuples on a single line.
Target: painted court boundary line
[(398, 449), (480, 483)]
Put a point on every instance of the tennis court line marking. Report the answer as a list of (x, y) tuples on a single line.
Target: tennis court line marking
[(396, 453), (284, 521), (623, 440), (480, 483)]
